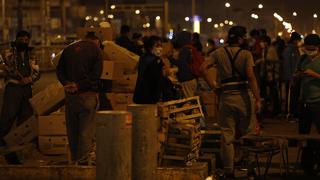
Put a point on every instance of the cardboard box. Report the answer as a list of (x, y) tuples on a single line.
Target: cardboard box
[(115, 70), (104, 34), (24, 133), (52, 125), (208, 98), (125, 84), (120, 101), (118, 53), (211, 110), (48, 100), (53, 145)]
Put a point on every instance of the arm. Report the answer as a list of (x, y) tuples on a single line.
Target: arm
[(60, 70), (254, 87), (312, 73), (204, 69)]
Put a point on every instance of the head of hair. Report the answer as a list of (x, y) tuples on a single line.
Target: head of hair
[(23, 33), (91, 36), (195, 36), (235, 33), (312, 39), (266, 39), (125, 29), (150, 42), (254, 33), (136, 36), (295, 37)]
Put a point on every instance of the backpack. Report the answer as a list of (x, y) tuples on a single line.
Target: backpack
[(197, 60)]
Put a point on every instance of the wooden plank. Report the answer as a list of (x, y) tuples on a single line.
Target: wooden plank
[(190, 107)]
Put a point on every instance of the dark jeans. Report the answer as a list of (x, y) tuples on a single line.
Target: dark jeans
[(80, 120), (16, 106), (310, 112)]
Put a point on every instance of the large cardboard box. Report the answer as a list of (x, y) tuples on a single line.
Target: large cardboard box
[(104, 34), (118, 53), (48, 100), (52, 125), (211, 111), (120, 101), (125, 84), (208, 97), (24, 133), (53, 145), (115, 69)]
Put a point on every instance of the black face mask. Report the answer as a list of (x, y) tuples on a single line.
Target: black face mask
[(22, 46)]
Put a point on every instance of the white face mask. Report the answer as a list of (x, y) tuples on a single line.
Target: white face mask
[(157, 51)]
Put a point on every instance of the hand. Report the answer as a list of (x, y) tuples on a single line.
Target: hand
[(26, 80), (71, 88), (310, 72), (258, 106)]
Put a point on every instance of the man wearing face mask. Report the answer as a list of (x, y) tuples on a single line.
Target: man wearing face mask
[(239, 98), (309, 72), (148, 88), (21, 71)]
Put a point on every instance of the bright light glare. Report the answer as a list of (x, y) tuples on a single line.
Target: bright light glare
[(158, 18), (112, 6), (209, 20), (260, 6), (137, 11), (227, 4), (187, 19)]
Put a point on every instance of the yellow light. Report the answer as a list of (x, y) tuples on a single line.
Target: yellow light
[(196, 26), (95, 18), (101, 12), (59, 36), (260, 6), (221, 24), (137, 11), (112, 6), (280, 33), (158, 18), (216, 25), (314, 31), (147, 24), (110, 16), (209, 20), (315, 15), (88, 18), (294, 13), (226, 22), (230, 23), (227, 4), (187, 19)]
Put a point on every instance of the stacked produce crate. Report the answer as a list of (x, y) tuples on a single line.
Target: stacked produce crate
[(180, 124)]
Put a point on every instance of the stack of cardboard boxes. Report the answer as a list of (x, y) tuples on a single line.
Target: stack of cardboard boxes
[(120, 68), (210, 105)]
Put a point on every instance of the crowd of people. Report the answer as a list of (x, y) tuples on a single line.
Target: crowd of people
[(255, 76)]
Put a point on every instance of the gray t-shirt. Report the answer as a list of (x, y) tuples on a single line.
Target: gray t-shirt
[(224, 67)]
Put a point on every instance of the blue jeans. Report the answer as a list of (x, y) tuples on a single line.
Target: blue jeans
[(80, 120)]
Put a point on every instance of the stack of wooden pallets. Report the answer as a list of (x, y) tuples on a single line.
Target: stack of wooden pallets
[(180, 124)]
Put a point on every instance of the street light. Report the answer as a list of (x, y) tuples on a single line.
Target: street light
[(209, 20), (187, 19), (226, 22), (315, 15), (137, 11), (101, 12), (216, 25), (295, 14), (227, 5), (254, 16), (158, 18), (221, 24), (260, 6), (110, 16), (230, 23), (112, 6), (95, 18)]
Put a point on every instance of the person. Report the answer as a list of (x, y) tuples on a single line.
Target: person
[(123, 40), (196, 42), (308, 70), (149, 83), (291, 56), (237, 106), (21, 71), (138, 43), (186, 78), (79, 71)]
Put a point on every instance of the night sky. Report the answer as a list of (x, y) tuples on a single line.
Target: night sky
[(239, 11)]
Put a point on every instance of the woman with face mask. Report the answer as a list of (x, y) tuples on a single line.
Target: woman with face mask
[(309, 68), (150, 75)]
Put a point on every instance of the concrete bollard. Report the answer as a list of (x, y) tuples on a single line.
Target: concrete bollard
[(144, 141), (114, 136)]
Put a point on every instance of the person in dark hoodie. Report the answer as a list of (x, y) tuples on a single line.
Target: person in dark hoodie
[(185, 77), (123, 40), (149, 83), (79, 70)]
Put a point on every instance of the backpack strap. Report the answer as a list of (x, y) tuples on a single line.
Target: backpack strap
[(236, 74)]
